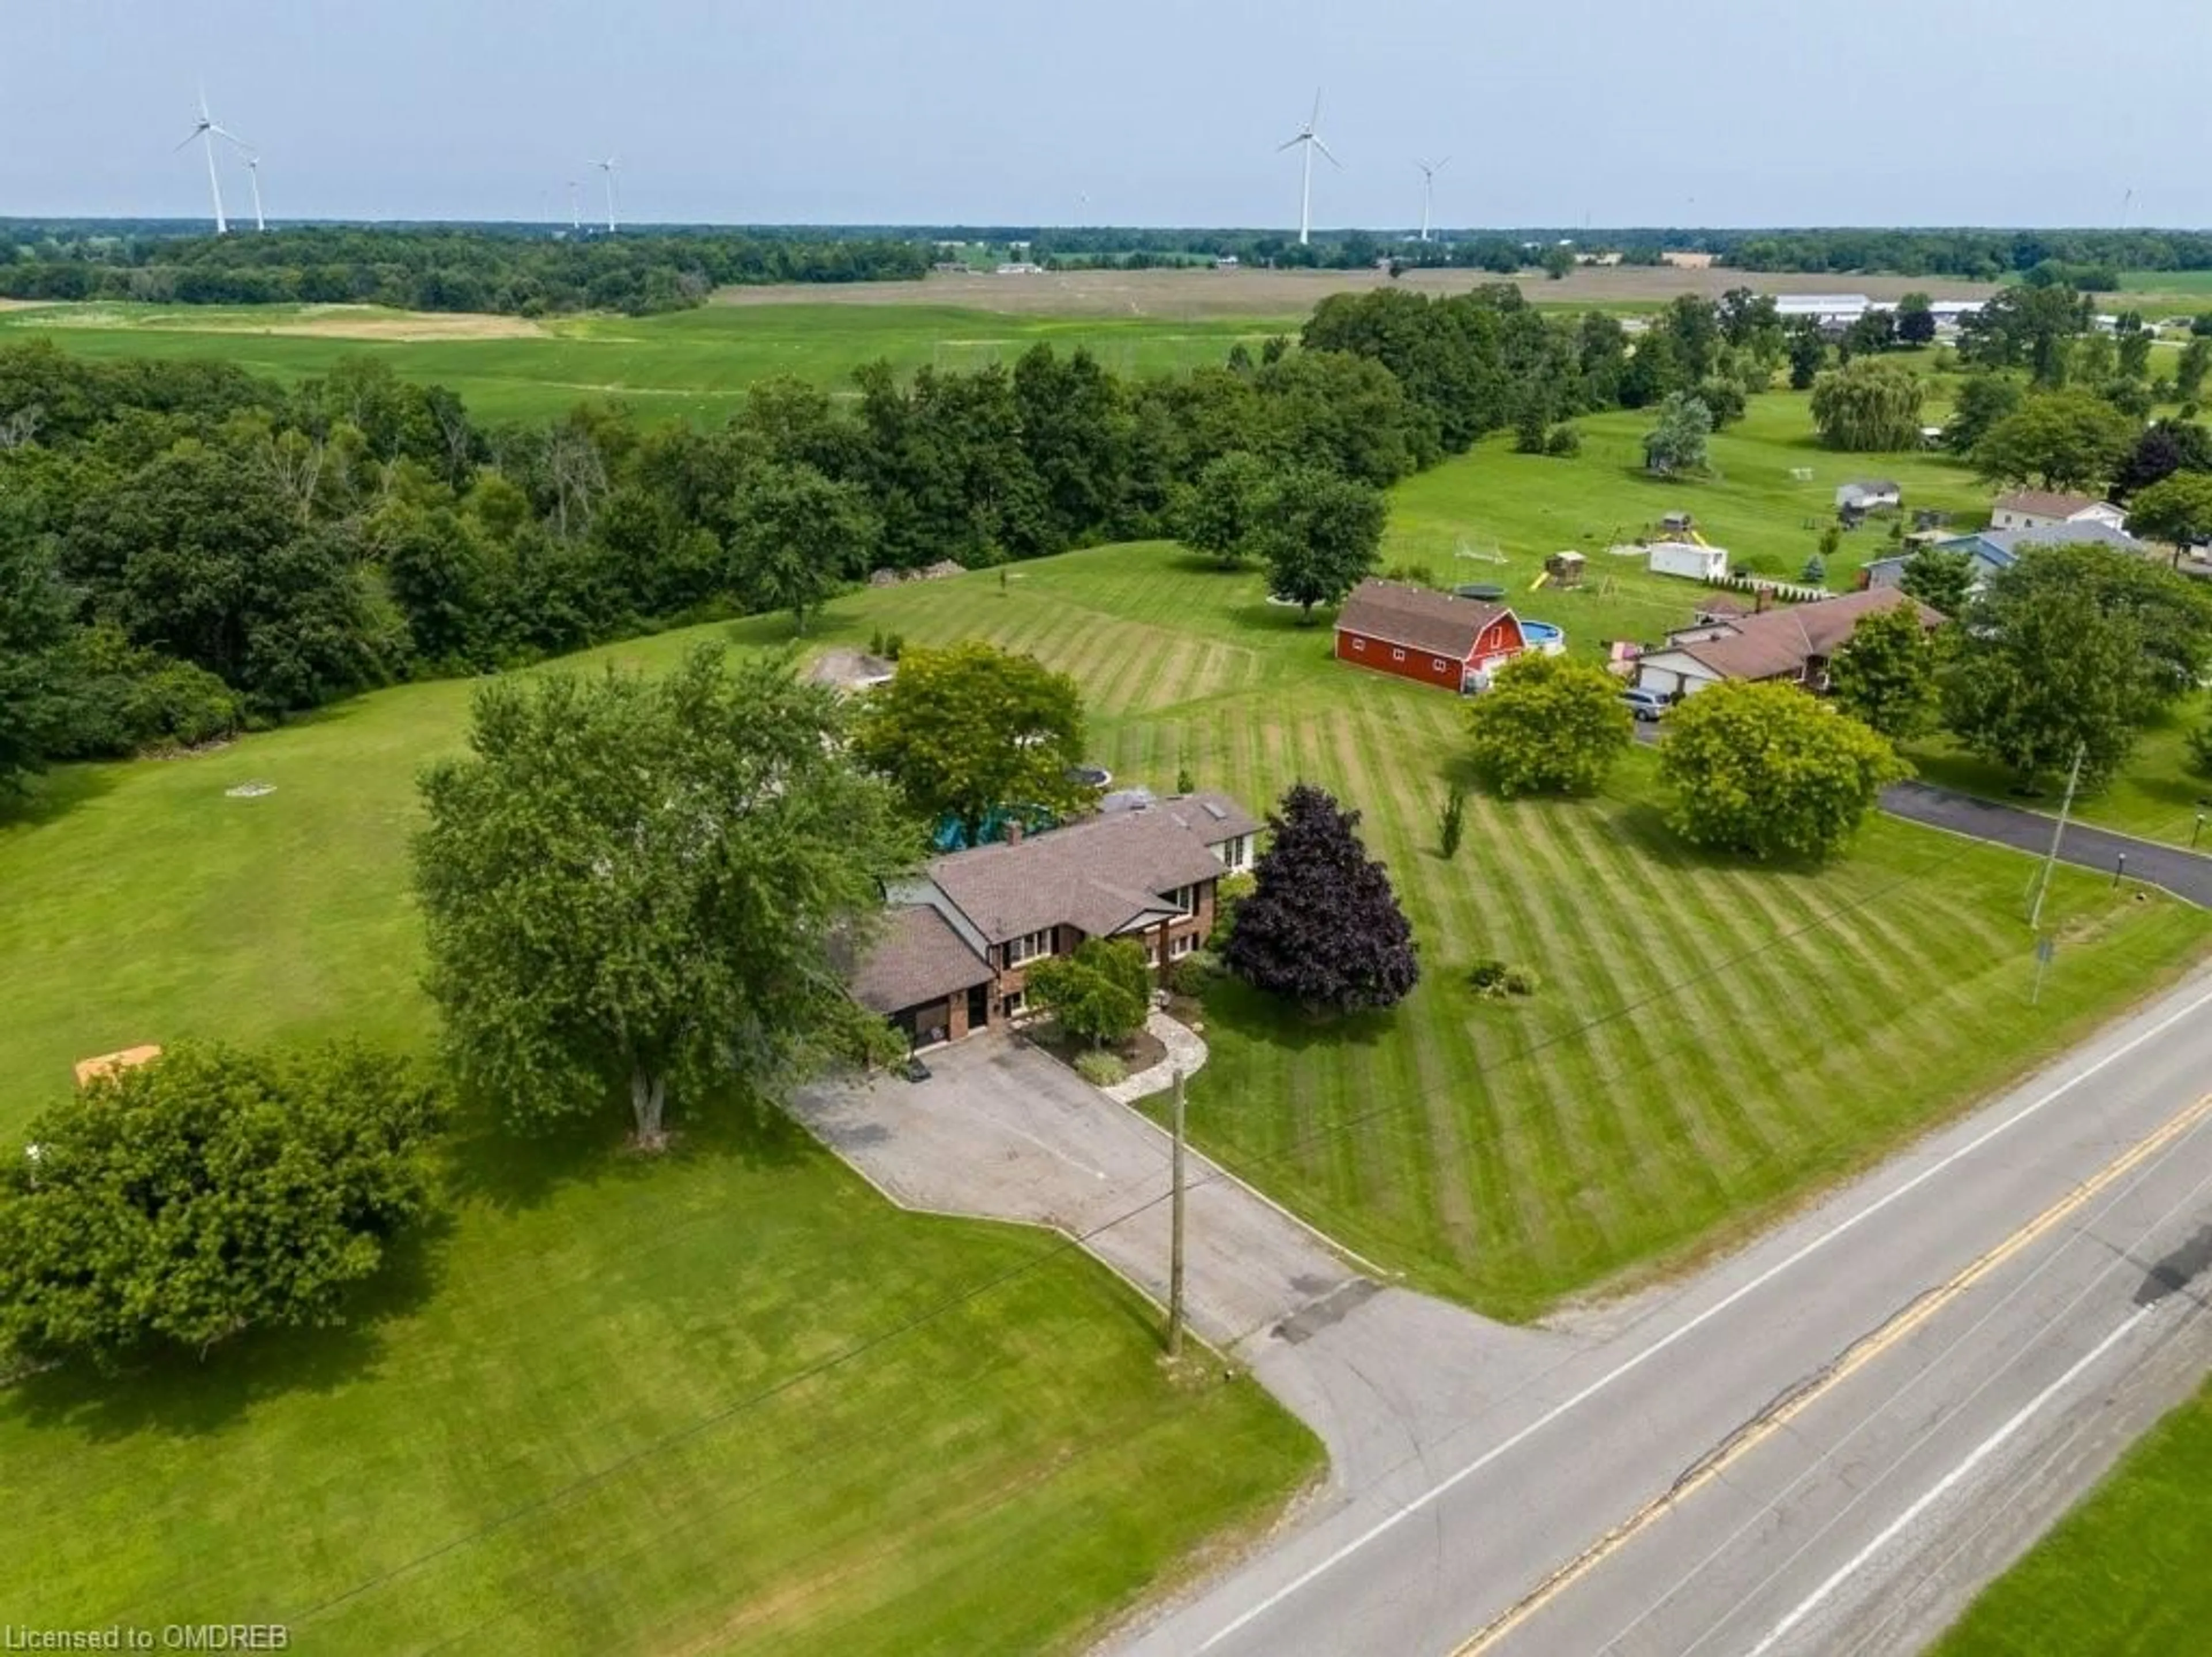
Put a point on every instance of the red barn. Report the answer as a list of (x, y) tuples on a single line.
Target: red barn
[(1433, 637)]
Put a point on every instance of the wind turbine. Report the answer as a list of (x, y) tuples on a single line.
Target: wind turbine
[(1310, 139), (205, 132), (1429, 188), (608, 167), (254, 176)]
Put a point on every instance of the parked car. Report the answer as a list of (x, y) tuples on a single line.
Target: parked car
[(1646, 705)]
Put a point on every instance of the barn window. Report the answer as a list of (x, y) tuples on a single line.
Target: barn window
[(1359, 644), (1397, 656), (1441, 663)]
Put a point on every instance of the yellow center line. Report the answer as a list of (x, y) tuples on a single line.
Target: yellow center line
[(1857, 1357)]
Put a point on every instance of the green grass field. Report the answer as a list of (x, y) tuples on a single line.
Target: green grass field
[(1527, 506), (590, 1420), (2122, 1575), (696, 364)]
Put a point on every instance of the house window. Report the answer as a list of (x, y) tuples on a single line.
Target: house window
[(1178, 947), (1397, 656), (1010, 1006), (1029, 947), (1185, 899), (1359, 644), (1236, 854)]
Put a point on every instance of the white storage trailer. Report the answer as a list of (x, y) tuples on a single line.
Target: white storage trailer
[(1689, 559)]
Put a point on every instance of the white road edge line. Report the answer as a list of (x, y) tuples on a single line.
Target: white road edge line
[(1406, 1510), (1943, 1486)]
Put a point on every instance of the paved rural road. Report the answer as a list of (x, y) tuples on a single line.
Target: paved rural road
[(1822, 1444), (2185, 874)]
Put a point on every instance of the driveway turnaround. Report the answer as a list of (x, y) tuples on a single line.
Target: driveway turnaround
[(1382, 1375), (1823, 1444), (2184, 874)]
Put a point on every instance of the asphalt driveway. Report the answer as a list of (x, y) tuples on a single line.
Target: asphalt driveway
[(2184, 874), (1002, 1131)]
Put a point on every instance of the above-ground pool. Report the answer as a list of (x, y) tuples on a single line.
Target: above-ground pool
[(1542, 636)]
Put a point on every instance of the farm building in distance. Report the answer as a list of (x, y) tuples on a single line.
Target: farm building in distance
[(1793, 645), (1436, 639)]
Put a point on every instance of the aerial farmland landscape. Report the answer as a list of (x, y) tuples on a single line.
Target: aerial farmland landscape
[(808, 845)]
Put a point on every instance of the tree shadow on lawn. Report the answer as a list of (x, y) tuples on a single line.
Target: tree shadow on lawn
[(1234, 1006), (51, 795), (1643, 824), (182, 1395)]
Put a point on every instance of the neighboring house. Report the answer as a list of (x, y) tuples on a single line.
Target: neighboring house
[(1792, 644), (1869, 494), (1992, 549), (2041, 509), (1436, 638), (953, 957)]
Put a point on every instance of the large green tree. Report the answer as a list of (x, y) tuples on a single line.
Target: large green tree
[(1983, 400), (644, 884), (1868, 405), (968, 730), (1322, 926), (1219, 515), (1549, 725), (1319, 534), (799, 538), (1767, 770), (35, 625), (1677, 443), (2177, 510), (1099, 993), (1884, 676), (1941, 577), (2058, 440), (181, 1202), (2073, 649)]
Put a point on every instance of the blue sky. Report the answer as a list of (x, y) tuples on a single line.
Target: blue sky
[(1704, 112)]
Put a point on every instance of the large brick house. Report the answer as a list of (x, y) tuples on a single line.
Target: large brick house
[(953, 957), (1436, 638)]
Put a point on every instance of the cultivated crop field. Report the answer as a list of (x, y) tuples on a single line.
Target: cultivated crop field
[(694, 365)]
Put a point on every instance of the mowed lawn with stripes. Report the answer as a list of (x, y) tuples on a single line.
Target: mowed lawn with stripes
[(1712, 1039)]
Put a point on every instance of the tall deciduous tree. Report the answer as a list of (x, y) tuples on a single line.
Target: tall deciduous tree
[(209, 1191), (2177, 510), (1915, 320), (1548, 725), (1319, 534), (1219, 515), (1322, 926), (1866, 406), (966, 731), (2059, 440), (799, 537), (1884, 676), (1941, 577), (2189, 369), (2072, 647), (1099, 993), (35, 625), (641, 883), (1677, 443), (1984, 400), (1767, 770), (1808, 353)]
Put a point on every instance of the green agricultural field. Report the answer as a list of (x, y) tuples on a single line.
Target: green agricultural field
[(1527, 506), (2122, 1575), (696, 364), (612, 1410)]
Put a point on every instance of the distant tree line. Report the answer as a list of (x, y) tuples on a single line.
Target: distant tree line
[(186, 550), (443, 268)]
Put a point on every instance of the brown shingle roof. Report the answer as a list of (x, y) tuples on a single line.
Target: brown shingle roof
[(1098, 874), (1212, 816), (1782, 641), (2042, 504), (919, 958), (1439, 623)]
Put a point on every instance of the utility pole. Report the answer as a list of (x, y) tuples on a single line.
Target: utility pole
[(2043, 887), (1175, 1227)]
